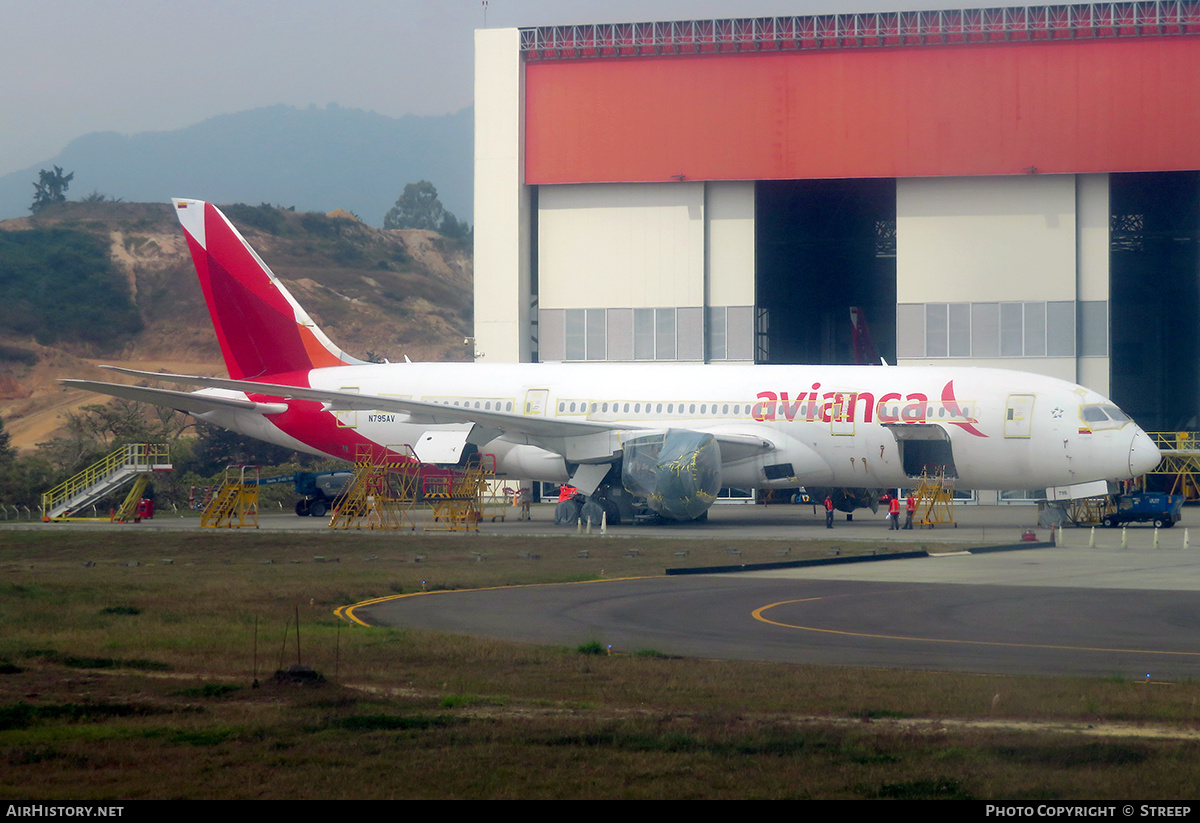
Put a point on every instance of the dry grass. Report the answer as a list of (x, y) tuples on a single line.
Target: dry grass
[(134, 681)]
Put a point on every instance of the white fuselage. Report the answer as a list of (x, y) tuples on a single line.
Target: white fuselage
[(819, 425)]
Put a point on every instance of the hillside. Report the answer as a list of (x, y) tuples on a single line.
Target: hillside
[(310, 158), (378, 294)]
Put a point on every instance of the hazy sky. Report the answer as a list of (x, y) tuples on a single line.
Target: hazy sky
[(71, 67)]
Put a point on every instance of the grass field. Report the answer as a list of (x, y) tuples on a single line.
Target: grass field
[(128, 663)]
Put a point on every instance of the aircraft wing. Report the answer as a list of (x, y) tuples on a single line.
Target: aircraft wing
[(419, 411)]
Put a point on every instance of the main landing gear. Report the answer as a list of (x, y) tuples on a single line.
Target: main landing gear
[(581, 509)]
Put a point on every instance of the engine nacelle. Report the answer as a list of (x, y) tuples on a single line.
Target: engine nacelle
[(677, 472), (846, 500)]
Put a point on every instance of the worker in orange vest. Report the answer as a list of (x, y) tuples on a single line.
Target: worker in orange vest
[(911, 509), (829, 511), (894, 513)]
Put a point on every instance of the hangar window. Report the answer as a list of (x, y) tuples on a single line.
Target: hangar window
[(1033, 328), (664, 334), (729, 331), (648, 334), (585, 334), (948, 330), (717, 348), (643, 334), (654, 334), (1011, 330)]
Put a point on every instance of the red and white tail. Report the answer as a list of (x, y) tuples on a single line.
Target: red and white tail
[(262, 330)]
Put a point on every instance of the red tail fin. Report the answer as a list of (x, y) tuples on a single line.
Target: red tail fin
[(260, 326)]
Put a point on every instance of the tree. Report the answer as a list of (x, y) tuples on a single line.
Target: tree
[(51, 188), (216, 448), (97, 197), (96, 430), (7, 452), (417, 208), (454, 228)]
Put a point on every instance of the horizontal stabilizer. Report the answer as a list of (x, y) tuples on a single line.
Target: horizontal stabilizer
[(188, 402)]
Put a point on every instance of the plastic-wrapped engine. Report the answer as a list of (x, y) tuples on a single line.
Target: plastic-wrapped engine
[(678, 473)]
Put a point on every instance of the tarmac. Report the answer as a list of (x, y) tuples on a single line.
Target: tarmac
[(978, 598), (1080, 601), (973, 525)]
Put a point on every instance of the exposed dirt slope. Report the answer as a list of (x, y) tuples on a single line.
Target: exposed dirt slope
[(378, 294)]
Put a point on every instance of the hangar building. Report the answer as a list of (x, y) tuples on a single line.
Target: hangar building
[(1017, 187)]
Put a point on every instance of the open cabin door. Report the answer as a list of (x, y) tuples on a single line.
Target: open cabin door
[(924, 449)]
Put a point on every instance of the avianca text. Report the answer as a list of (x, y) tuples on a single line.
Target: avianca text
[(858, 406)]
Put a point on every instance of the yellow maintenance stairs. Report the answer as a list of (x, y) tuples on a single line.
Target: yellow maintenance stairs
[(234, 505), (1180, 467), (382, 492), (134, 463), (935, 500), (1089, 511), (454, 498)]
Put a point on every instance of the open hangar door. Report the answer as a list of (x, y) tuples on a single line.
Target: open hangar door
[(1155, 286), (823, 246)]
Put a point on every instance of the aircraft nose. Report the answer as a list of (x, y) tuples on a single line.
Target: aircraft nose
[(1143, 454)]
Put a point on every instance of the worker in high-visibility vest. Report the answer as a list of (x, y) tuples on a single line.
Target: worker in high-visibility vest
[(894, 514), (910, 508)]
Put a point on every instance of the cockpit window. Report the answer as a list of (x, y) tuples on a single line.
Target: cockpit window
[(1099, 417)]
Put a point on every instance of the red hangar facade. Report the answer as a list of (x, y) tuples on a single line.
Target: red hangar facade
[(1011, 187)]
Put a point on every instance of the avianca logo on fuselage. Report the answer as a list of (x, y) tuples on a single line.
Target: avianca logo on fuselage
[(862, 407)]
